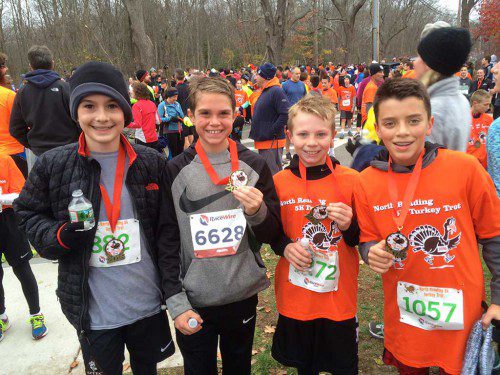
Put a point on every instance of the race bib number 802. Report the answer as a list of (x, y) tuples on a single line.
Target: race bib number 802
[(217, 234)]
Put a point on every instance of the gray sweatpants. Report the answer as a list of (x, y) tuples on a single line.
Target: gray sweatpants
[(273, 159)]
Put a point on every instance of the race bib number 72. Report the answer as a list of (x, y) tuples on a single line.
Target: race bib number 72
[(429, 307)]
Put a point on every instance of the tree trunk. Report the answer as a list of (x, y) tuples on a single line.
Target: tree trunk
[(276, 28), (466, 7), (315, 35), (142, 45)]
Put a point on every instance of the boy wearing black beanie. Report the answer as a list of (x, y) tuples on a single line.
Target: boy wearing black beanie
[(109, 283)]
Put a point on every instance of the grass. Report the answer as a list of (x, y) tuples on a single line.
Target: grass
[(370, 307)]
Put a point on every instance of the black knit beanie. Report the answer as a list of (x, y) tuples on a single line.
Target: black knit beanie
[(99, 78), (445, 49), (141, 74)]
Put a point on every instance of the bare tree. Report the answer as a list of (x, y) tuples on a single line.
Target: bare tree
[(276, 21), (465, 9), (348, 11), (142, 44)]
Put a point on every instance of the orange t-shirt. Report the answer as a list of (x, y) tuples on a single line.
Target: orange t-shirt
[(241, 98), (454, 202), (11, 178), (330, 94), (297, 302), (478, 132), (368, 97), (8, 144), (409, 74), (346, 96)]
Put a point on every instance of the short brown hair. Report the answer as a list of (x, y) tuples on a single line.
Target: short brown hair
[(3, 59), (40, 57), (399, 89), (316, 105), (212, 85), (140, 90), (480, 96)]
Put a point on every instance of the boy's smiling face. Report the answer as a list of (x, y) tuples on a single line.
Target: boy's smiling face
[(213, 119), (311, 136), (102, 120), (403, 125)]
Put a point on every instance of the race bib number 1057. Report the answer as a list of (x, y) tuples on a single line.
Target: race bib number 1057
[(217, 234), (430, 308)]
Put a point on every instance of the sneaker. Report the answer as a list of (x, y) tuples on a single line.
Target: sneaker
[(341, 136), (349, 133), (38, 328), (4, 326), (288, 156), (376, 330)]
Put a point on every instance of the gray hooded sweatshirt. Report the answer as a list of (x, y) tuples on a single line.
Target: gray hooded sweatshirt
[(452, 118)]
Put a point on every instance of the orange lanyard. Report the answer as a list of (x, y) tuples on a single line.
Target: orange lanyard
[(303, 177), (113, 209), (399, 217), (233, 151)]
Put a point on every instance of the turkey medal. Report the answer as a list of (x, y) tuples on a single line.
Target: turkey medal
[(397, 243), (237, 179), (317, 214)]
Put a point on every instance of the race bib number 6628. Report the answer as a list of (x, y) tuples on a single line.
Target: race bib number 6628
[(217, 234)]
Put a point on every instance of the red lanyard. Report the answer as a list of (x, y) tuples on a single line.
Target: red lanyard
[(399, 219), (233, 152), (113, 209), (302, 171)]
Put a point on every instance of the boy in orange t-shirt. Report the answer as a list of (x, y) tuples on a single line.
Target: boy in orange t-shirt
[(480, 102), (422, 210), (347, 96), (316, 283)]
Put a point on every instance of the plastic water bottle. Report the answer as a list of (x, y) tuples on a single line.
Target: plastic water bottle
[(80, 209), (304, 242)]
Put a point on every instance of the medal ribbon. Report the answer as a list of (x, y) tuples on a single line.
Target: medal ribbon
[(303, 177), (113, 209), (233, 151), (408, 194)]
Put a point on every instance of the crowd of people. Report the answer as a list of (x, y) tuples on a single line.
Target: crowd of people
[(180, 208)]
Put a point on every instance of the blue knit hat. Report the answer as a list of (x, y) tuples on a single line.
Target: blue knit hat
[(267, 71)]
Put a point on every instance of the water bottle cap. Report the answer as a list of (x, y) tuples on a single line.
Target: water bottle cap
[(192, 322), (304, 242), (77, 193)]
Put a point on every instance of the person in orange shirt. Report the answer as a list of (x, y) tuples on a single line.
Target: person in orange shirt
[(316, 276), (328, 91), (422, 210), (347, 94), (376, 79), (242, 103), (16, 249), (408, 68), (480, 103), (8, 144)]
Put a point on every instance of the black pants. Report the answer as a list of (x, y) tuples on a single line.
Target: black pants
[(15, 247), (235, 325), (21, 163), (148, 341), (175, 143), (25, 276)]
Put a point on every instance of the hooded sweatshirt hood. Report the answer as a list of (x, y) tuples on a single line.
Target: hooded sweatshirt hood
[(381, 161), (42, 77)]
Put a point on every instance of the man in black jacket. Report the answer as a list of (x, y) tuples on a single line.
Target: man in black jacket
[(110, 273), (40, 119), (481, 83)]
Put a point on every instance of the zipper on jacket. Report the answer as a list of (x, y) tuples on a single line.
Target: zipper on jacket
[(84, 254)]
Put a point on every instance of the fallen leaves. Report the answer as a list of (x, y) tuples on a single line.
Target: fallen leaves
[(73, 364)]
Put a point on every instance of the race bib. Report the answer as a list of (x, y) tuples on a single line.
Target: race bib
[(119, 248), (430, 308), (464, 90), (217, 234), (346, 103), (322, 277)]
